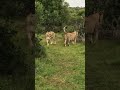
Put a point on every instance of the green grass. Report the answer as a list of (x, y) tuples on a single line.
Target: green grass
[(63, 68), (103, 65)]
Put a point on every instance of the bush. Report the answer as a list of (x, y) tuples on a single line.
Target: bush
[(39, 49), (11, 56)]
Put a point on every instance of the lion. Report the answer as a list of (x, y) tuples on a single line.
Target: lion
[(92, 25), (50, 37), (70, 37)]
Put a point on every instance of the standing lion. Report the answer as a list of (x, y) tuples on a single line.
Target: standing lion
[(92, 25), (50, 38), (70, 37)]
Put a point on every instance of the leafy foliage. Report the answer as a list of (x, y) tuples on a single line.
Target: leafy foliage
[(56, 14), (39, 49), (10, 55), (51, 15)]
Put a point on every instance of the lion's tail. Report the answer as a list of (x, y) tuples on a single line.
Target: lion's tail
[(64, 29)]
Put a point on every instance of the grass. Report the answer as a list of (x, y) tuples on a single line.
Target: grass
[(63, 68), (102, 65)]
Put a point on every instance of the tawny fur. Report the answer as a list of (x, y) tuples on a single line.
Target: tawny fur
[(92, 24), (50, 38), (70, 37)]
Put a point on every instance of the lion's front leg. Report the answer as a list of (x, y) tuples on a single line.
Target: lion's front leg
[(51, 41), (65, 42), (47, 41), (75, 41)]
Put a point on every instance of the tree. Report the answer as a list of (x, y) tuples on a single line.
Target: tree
[(54, 13)]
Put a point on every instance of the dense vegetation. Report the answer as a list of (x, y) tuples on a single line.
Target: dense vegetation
[(16, 59), (56, 14)]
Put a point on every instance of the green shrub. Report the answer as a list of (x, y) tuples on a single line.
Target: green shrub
[(11, 55)]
